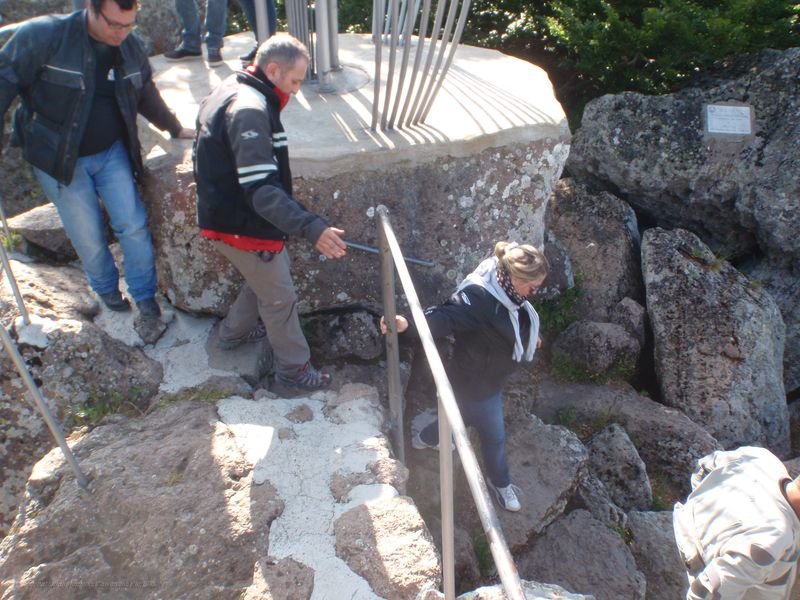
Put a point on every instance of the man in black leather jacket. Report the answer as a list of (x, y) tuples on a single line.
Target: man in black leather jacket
[(82, 80)]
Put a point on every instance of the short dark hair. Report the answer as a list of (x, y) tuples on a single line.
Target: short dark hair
[(123, 4), (282, 49)]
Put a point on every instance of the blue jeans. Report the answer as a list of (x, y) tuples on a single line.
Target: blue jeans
[(106, 175), (216, 23), (486, 416), (249, 8)]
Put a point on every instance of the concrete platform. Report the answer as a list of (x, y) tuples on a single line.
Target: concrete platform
[(488, 100)]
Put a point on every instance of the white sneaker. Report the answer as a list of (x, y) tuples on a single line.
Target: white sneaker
[(506, 496)]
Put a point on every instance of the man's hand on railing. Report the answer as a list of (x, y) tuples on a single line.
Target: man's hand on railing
[(331, 244), (400, 322)]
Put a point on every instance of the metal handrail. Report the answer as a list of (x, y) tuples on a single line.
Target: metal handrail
[(392, 257), (16, 358)]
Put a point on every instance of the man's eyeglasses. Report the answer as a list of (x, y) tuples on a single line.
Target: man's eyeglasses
[(117, 26)]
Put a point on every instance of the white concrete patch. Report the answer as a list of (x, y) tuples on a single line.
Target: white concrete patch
[(182, 352), (35, 332), (300, 467)]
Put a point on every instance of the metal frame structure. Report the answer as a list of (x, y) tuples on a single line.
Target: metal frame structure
[(450, 422)]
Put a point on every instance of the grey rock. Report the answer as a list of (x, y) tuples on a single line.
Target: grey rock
[(601, 235), (42, 226), (614, 460), (561, 276), (342, 333), (598, 348), (593, 495), (284, 579), (737, 196), (718, 342), (653, 546), (491, 195), (388, 544), (148, 476), (50, 292), (533, 591), (666, 439), (546, 483), (632, 316), (582, 555), (782, 282)]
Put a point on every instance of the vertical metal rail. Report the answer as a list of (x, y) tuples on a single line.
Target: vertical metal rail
[(462, 18), (322, 27), (407, 27), (437, 23), (506, 569), (451, 15), (34, 392), (423, 31), (5, 265), (377, 38), (12, 351), (392, 57), (392, 350), (261, 21)]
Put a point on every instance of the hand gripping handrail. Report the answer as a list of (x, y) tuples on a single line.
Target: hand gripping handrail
[(506, 569)]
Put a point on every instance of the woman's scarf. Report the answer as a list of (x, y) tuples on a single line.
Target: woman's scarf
[(485, 276)]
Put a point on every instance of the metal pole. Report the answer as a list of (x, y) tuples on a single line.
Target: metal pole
[(437, 23), (377, 37), (448, 27), (446, 494), (423, 30), (6, 266), (477, 484), (55, 430), (262, 25), (462, 19), (322, 27), (392, 57), (333, 23), (392, 347), (407, 27)]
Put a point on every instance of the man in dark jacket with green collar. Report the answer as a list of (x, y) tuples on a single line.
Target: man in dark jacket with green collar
[(82, 80), (245, 204)]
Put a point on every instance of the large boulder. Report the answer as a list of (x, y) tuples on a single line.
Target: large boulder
[(614, 460), (656, 553), (597, 349), (582, 555), (450, 197), (718, 342), (739, 196), (601, 235), (666, 439)]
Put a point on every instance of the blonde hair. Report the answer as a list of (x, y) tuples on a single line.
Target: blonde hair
[(523, 261)]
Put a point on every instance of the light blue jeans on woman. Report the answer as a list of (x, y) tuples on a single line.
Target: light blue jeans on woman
[(486, 416), (107, 177), (216, 23)]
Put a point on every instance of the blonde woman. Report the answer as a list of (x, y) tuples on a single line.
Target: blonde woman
[(496, 330)]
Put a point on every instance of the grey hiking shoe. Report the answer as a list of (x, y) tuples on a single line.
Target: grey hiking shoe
[(256, 334), (304, 378), (115, 301), (181, 53), (148, 322), (213, 57)]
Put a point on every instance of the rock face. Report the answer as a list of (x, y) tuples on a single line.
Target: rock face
[(226, 492), (583, 555), (653, 546), (718, 342), (388, 544), (598, 348), (614, 460), (601, 235), (452, 213), (738, 196), (668, 442)]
